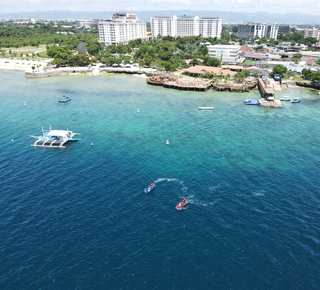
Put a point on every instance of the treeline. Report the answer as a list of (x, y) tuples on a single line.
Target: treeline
[(163, 52), (65, 57), (13, 35), (311, 75)]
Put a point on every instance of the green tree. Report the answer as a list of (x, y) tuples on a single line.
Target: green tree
[(211, 61), (279, 69)]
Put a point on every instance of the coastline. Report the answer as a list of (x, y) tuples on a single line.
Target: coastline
[(42, 70)]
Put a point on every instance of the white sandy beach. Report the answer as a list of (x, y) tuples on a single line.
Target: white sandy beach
[(21, 65)]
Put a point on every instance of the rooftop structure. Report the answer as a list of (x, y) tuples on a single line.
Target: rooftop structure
[(186, 26)]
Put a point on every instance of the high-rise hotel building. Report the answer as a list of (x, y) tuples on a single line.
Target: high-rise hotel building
[(251, 30), (186, 26), (121, 29)]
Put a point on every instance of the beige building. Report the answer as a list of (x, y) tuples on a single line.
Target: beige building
[(315, 33)]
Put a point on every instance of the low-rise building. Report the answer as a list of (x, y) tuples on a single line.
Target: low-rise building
[(84, 24), (226, 53)]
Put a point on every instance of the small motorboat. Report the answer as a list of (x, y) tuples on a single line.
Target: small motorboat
[(64, 99), (151, 187), (251, 101), (297, 100), (181, 204), (205, 108), (285, 98)]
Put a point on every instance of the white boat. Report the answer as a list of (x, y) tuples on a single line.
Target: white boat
[(285, 98), (54, 138), (205, 108)]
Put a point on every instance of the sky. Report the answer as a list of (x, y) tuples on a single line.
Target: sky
[(273, 6)]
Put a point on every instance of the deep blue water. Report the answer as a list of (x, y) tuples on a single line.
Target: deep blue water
[(80, 218)]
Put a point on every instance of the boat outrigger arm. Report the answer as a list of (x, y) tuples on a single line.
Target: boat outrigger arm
[(54, 138)]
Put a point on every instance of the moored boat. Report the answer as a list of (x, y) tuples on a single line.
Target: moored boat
[(251, 101), (54, 138), (205, 108), (285, 98), (64, 99), (297, 100)]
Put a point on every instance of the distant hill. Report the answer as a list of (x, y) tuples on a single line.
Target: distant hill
[(227, 17)]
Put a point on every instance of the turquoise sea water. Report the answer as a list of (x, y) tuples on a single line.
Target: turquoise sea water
[(80, 218)]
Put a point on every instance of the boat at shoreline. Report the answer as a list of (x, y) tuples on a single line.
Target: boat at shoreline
[(285, 98), (54, 138), (296, 100), (251, 102)]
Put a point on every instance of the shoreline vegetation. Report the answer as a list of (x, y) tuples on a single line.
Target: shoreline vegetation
[(41, 69)]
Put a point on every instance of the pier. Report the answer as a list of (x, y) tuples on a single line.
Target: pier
[(268, 95)]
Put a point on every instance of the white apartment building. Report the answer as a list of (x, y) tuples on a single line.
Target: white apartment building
[(121, 29), (251, 30), (226, 53), (186, 26), (315, 33)]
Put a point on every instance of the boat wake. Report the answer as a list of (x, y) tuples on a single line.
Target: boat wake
[(184, 188), (192, 200)]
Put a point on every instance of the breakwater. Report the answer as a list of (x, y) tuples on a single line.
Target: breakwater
[(180, 84), (234, 87), (314, 85)]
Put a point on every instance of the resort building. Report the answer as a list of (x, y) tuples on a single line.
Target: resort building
[(186, 26), (226, 53), (84, 24), (315, 33), (251, 30), (121, 29)]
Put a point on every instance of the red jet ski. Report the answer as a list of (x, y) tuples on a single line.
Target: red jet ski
[(181, 204)]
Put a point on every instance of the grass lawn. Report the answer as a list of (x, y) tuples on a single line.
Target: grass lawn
[(26, 49)]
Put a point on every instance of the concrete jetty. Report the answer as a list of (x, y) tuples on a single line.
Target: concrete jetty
[(268, 95)]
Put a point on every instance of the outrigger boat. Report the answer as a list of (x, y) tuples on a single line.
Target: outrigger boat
[(64, 99), (181, 204), (151, 187), (54, 138)]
